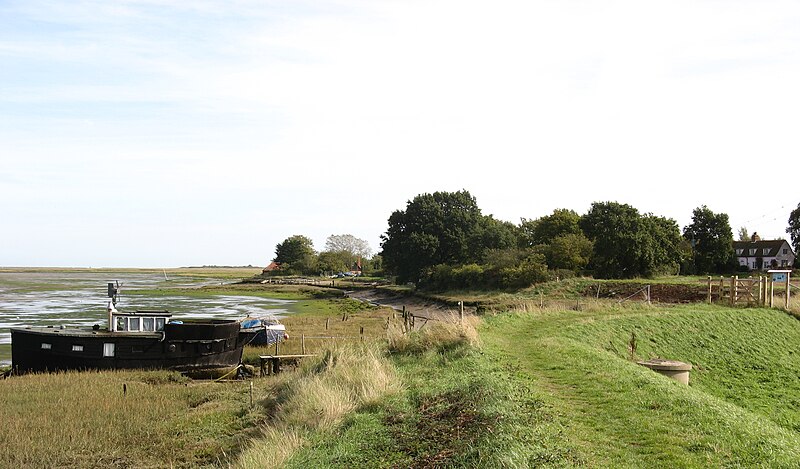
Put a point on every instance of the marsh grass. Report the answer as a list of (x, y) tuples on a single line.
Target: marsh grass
[(86, 420), (446, 332), (317, 397)]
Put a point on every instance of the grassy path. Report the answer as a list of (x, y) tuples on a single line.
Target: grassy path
[(618, 414)]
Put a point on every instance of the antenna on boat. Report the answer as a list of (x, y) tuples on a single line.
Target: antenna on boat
[(113, 292)]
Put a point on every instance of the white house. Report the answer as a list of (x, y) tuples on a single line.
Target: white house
[(764, 255)]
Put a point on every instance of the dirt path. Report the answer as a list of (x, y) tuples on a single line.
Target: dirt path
[(419, 307)]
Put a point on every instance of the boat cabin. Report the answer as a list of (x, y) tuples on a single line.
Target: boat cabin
[(139, 321)]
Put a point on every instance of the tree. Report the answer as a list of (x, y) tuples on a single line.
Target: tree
[(743, 234), (794, 231), (627, 244), (570, 251), (296, 253), (712, 240), (433, 229), (545, 229), (348, 243)]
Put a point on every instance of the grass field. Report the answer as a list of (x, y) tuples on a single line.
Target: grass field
[(552, 386)]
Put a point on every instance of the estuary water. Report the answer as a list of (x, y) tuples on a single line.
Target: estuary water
[(80, 299)]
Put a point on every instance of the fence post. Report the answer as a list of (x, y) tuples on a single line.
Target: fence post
[(771, 292), (734, 292), (708, 294), (461, 312), (788, 290), (721, 289), (303, 344), (648, 294)]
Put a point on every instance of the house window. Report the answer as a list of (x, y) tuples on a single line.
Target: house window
[(752, 251), (754, 263), (108, 350), (46, 346), (785, 251), (739, 252), (77, 348), (783, 262), (765, 251)]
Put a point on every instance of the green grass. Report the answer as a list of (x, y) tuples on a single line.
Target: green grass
[(461, 409), (620, 414)]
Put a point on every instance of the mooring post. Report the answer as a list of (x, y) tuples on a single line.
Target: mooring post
[(124, 389)]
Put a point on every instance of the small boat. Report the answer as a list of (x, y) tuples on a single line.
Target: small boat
[(140, 339), (268, 330)]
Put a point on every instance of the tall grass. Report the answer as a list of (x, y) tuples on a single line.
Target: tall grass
[(443, 333), (117, 419), (317, 397)]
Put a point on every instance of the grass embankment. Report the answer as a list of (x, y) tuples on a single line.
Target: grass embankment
[(454, 408), (739, 410)]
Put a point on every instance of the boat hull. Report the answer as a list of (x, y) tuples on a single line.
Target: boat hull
[(183, 347)]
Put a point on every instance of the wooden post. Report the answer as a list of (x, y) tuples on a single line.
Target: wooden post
[(648, 295), (721, 289), (461, 312), (276, 347), (771, 292), (541, 299), (327, 320), (303, 344), (251, 394), (788, 289), (708, 294), (734, 293), (362, 333)]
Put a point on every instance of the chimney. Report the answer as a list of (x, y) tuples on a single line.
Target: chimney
[(755, 237)]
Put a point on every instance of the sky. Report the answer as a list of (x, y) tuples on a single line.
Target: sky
[(155, 133)]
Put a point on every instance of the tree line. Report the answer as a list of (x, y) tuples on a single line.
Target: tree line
[(443, 241)]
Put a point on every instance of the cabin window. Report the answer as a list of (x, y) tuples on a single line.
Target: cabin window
[(133, 324), (108, 350), (122, 324), (148, 324), (46, 346), (77, 348), (160, 324)]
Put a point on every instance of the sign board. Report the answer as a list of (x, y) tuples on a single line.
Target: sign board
[(779, 275)]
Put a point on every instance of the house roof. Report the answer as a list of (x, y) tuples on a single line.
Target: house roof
[(773, 245), (272, 266)]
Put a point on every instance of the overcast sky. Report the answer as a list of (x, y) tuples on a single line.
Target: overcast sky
[(151, 133)]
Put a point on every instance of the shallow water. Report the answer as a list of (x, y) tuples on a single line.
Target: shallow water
[(78, 298)]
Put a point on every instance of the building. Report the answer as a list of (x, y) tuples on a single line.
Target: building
[(763, 255)]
